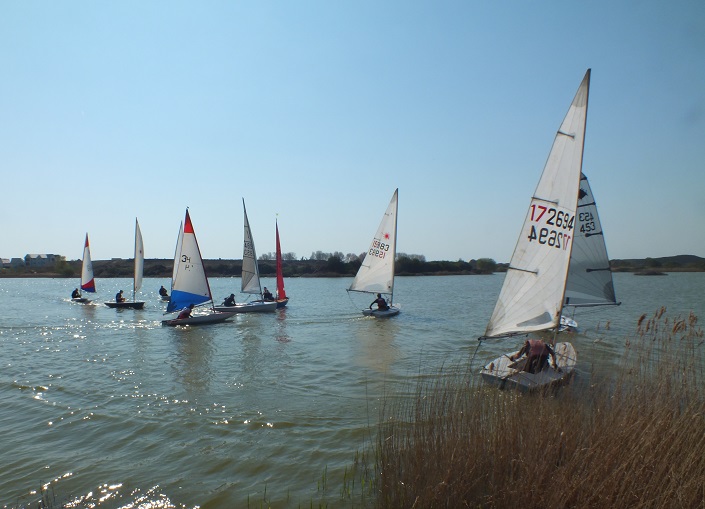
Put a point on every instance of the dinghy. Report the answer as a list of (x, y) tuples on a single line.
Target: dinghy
[(533, 294), (189, 282), (250, 278), (137, 274), (376, 274), (87, 280)]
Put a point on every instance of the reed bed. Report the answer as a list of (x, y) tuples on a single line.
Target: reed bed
[(633, 439)]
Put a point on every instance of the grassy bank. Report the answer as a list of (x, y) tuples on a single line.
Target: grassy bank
[(636, 439)]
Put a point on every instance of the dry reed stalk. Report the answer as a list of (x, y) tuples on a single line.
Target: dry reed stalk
[(637, 440)]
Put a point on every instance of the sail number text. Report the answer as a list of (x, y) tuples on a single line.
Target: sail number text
[(378, 249), (587, 222), (558, 228)]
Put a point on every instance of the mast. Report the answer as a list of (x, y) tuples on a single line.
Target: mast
[(394, 254)]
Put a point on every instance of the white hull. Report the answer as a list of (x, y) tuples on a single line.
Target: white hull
[(508, 374), (199, 319), (249, 307), (392, 311)]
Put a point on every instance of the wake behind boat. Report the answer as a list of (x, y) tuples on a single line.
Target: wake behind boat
[(189, 287), (376, 274), (534, 289)]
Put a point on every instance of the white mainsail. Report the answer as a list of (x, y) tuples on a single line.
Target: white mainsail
[(87, 281), (189, 285), (589, 277), (376, 274), (139, 259), (250, 269), (531, 298)]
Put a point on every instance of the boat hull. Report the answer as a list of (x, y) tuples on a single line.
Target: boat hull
[(249, 307), (282, 302), (199, 319), (508, 374), (125, 305), (80, 300), (392, 311)]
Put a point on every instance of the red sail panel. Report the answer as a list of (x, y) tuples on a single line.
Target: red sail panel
[(281, 293)]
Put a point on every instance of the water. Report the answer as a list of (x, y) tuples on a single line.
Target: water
[(109, 406)]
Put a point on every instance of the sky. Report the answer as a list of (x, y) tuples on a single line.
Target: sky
[(314, 112)]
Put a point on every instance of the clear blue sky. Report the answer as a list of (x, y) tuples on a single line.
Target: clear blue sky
[(318, 110)]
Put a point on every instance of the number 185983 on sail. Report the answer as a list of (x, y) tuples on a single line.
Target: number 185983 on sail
[(558, 223)]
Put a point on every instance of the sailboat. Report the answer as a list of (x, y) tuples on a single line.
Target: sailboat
[(376, 274), (250, 277), (87, 280), (281, 298), (535, 287), (590, 280), (137, 275), (189, 282)]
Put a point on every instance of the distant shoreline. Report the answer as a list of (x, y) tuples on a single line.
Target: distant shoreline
[(333, 267)]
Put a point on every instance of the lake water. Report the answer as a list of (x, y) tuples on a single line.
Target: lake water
[(109, 406)]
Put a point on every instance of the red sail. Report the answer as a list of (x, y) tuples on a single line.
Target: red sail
[(281, 293)]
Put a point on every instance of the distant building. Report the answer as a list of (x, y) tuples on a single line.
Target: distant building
[(11, 263), (40, 260)]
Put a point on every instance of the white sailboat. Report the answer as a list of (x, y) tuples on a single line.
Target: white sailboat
[(589, 275), (137, 275), (250, 278), (376, 274), (189, 284), (534, 289), (87, 280)]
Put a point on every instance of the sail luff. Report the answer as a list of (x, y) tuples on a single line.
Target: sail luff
[(394, 254), (531, 297)]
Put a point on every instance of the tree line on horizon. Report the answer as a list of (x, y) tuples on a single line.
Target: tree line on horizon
[(335, 264)]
